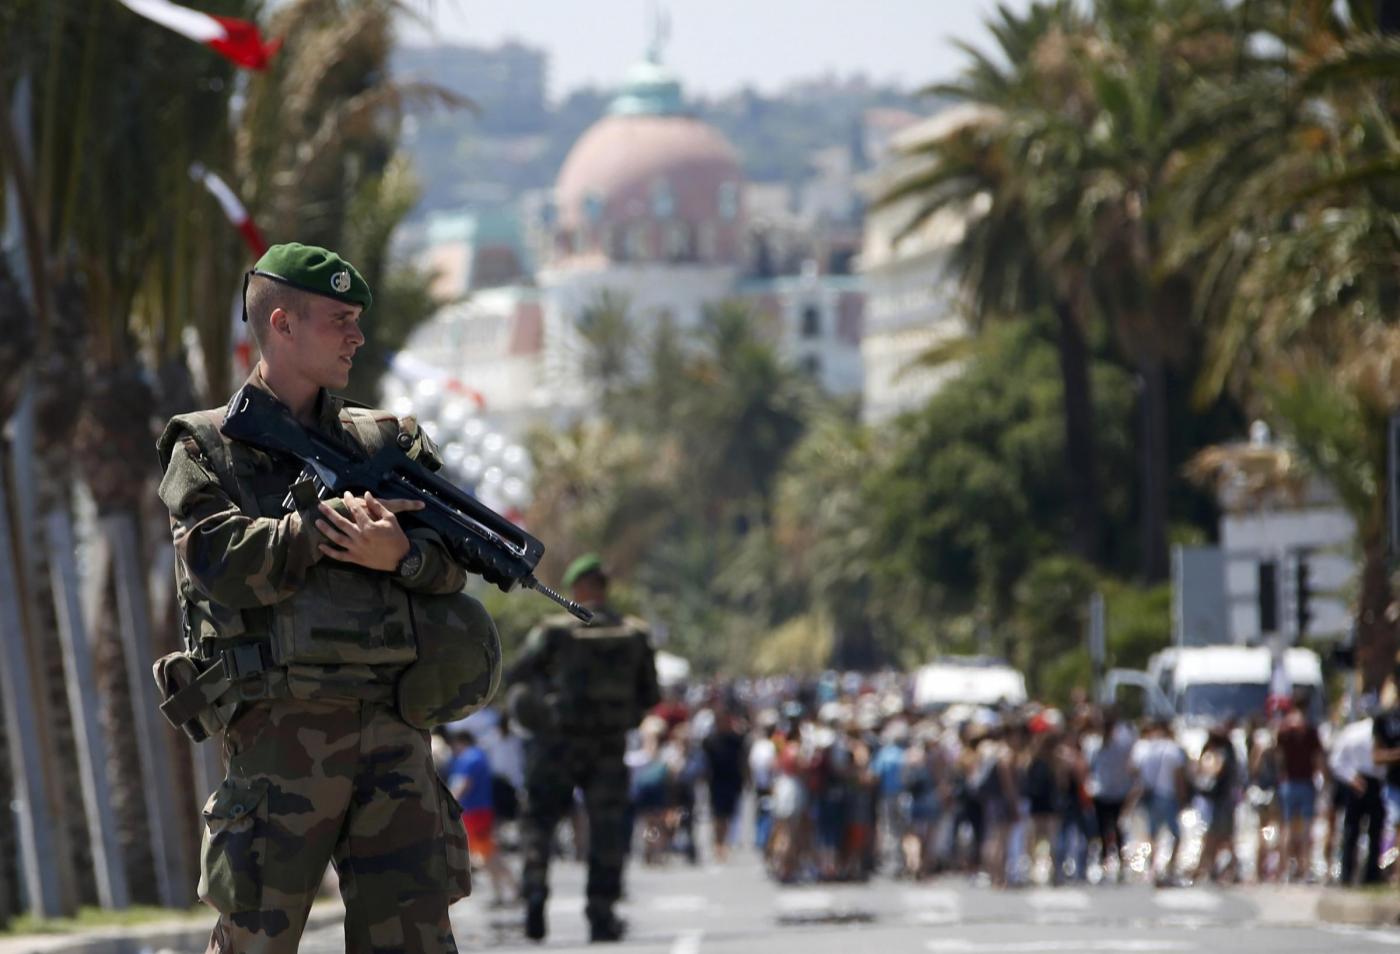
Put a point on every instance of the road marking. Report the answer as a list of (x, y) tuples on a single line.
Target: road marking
[(1059, 899), (1374, 935), (687, 943), (1186, 900), (932, 905), (680, 903), (1101, 946)]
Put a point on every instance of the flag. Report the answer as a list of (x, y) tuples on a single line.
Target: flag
[(237, 214), (236, 40)]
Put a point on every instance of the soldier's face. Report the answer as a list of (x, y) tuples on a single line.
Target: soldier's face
[(323, 337)]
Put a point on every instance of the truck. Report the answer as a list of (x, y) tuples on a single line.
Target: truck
[(1199, 686)]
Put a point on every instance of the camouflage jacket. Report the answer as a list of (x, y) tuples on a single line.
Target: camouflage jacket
[(244, 563), (597, 678)]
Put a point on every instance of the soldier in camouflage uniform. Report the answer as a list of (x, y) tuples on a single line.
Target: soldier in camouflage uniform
[(307, 611), (579, 688)]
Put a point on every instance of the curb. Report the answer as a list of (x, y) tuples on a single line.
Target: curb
[(168, 936), (1359, 908)]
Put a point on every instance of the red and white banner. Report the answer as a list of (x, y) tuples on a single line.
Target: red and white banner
[(236, 40), (233, 208)]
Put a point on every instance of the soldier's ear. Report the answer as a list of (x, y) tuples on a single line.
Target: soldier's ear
[(280, 321)]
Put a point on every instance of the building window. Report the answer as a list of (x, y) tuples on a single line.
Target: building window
[(636, 242), (811, 321), (593, 208), (729, 201), (663, 204), (811, 365), (708, 242), (678, 242)]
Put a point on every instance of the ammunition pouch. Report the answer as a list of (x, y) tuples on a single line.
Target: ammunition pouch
[(199, 696)]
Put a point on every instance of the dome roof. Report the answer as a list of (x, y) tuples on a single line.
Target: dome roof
[(623, 164), (648, 182)]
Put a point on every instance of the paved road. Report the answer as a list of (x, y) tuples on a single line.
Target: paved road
[(735, 909)]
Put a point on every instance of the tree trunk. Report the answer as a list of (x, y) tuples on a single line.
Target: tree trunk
[(38, 831), (16, 344), (1375, 631), (58, 388), (1154, 478), (113, 441), (1081, 457)]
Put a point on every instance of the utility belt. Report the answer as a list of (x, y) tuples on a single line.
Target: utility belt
[(200, 695)]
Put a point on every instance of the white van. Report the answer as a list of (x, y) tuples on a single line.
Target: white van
[(1199, 686), (968, 680), (1210, 683)]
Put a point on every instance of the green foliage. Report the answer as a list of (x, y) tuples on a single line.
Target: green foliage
[(318, 157), (976, 490), (1051, 622), (1138, 622)]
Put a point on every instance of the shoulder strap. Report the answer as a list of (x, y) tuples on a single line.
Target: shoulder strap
[(217, 451), (371, 429)]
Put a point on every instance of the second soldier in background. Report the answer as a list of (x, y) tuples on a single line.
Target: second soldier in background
[(579, 689)]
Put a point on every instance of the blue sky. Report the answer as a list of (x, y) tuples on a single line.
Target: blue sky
[(718, 46)]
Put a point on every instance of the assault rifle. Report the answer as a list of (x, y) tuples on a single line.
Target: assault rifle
[(482, 541)]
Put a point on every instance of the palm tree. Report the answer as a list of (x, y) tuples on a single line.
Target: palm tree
[(991, 170), (317, 155), (1301, 284), (609, 342)]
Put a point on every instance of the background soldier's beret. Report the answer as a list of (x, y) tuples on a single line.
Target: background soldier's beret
[(315, 270), (588, 563)]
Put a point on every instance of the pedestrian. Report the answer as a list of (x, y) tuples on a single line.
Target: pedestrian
[(1076, 808), (469, 777), (1356, 773), (1160, 764), (592, 684), (890, 774), (1112, 779), (1042, 789), (1217, 782), (726, 764), (1303, 760), (1264, 770), (322, 763), (1385, 753), (650, 787), (763, 759)]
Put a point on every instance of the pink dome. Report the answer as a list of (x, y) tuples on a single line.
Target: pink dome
[(635, 186)]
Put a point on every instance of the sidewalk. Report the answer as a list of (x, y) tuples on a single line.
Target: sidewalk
[(182, 934)]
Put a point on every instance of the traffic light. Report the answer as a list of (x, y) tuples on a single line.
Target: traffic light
[(1303, 603), (1268, 597)]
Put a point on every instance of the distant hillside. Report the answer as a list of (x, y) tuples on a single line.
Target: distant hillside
[(519, 140)]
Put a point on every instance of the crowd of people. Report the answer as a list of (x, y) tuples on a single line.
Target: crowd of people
[(845, 780)]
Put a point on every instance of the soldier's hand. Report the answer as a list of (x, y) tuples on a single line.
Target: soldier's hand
[(370, 536)]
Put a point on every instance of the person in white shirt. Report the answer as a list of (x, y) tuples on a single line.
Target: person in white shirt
[(1356, 773), (1161, 770)]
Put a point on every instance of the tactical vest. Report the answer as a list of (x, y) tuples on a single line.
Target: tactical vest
[(593, 673), (342, 614)]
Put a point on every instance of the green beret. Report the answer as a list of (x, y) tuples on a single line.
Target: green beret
[(315, 270), (588, 563)]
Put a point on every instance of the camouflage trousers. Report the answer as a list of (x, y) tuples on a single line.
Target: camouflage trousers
[(554, 767), (310, 783)]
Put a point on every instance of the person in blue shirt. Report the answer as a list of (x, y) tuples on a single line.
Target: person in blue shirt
[(469, 778)]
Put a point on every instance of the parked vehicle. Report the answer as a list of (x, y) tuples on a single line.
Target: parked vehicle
[(1199, 686), (968, 680)]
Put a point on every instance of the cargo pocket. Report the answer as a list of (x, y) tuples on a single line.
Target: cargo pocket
[(454, 837), (234, 847)]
